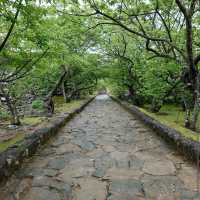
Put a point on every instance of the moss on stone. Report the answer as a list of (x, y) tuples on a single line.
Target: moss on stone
[(173, 117), (6, 144), (61, 106), (31, 120)]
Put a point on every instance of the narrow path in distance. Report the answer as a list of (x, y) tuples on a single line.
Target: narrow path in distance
[(104, 153)]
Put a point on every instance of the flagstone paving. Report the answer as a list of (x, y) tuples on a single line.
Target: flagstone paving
[(104, 153)]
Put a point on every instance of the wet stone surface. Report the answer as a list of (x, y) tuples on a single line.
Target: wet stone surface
[(104, 153)]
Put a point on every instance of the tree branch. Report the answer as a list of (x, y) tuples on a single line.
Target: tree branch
[(11, 27), (182, 7), (19, 73), (143, 34)]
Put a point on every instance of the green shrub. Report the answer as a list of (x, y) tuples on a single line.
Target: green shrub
[(38, 104), (3, 114)]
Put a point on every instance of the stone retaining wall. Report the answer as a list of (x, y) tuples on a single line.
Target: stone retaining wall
[(12, 158), (189, 148)]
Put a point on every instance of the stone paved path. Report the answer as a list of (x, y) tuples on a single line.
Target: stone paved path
[(104, 153)]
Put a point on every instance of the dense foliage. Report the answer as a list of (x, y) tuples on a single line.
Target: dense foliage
[(41, 51)]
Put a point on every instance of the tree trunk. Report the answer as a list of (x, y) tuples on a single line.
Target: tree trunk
[(195, 114), (156, 105), (14, 116), (64, 92), (49, 104), (187, 119), (13, 111), (14, 120), (191, 121), (131, 92), (196, 108)]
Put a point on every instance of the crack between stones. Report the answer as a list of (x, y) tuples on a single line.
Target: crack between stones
[(108, 194)]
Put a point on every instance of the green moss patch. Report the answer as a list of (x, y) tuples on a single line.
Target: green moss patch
[(61, 106), (6, 144), (31, 120), (174, 118)]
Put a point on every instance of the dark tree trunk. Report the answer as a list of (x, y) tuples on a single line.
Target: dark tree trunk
[(191, 121), (156, 105), (196, 108), (14, 120), (49, 104), (131, 91), (64, 92)]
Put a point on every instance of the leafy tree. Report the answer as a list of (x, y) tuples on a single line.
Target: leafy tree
[(167, 29), (17, 56)]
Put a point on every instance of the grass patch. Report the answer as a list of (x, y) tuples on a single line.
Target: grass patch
[(61, 106), (31, 120), (173, 116), (6, 144)]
